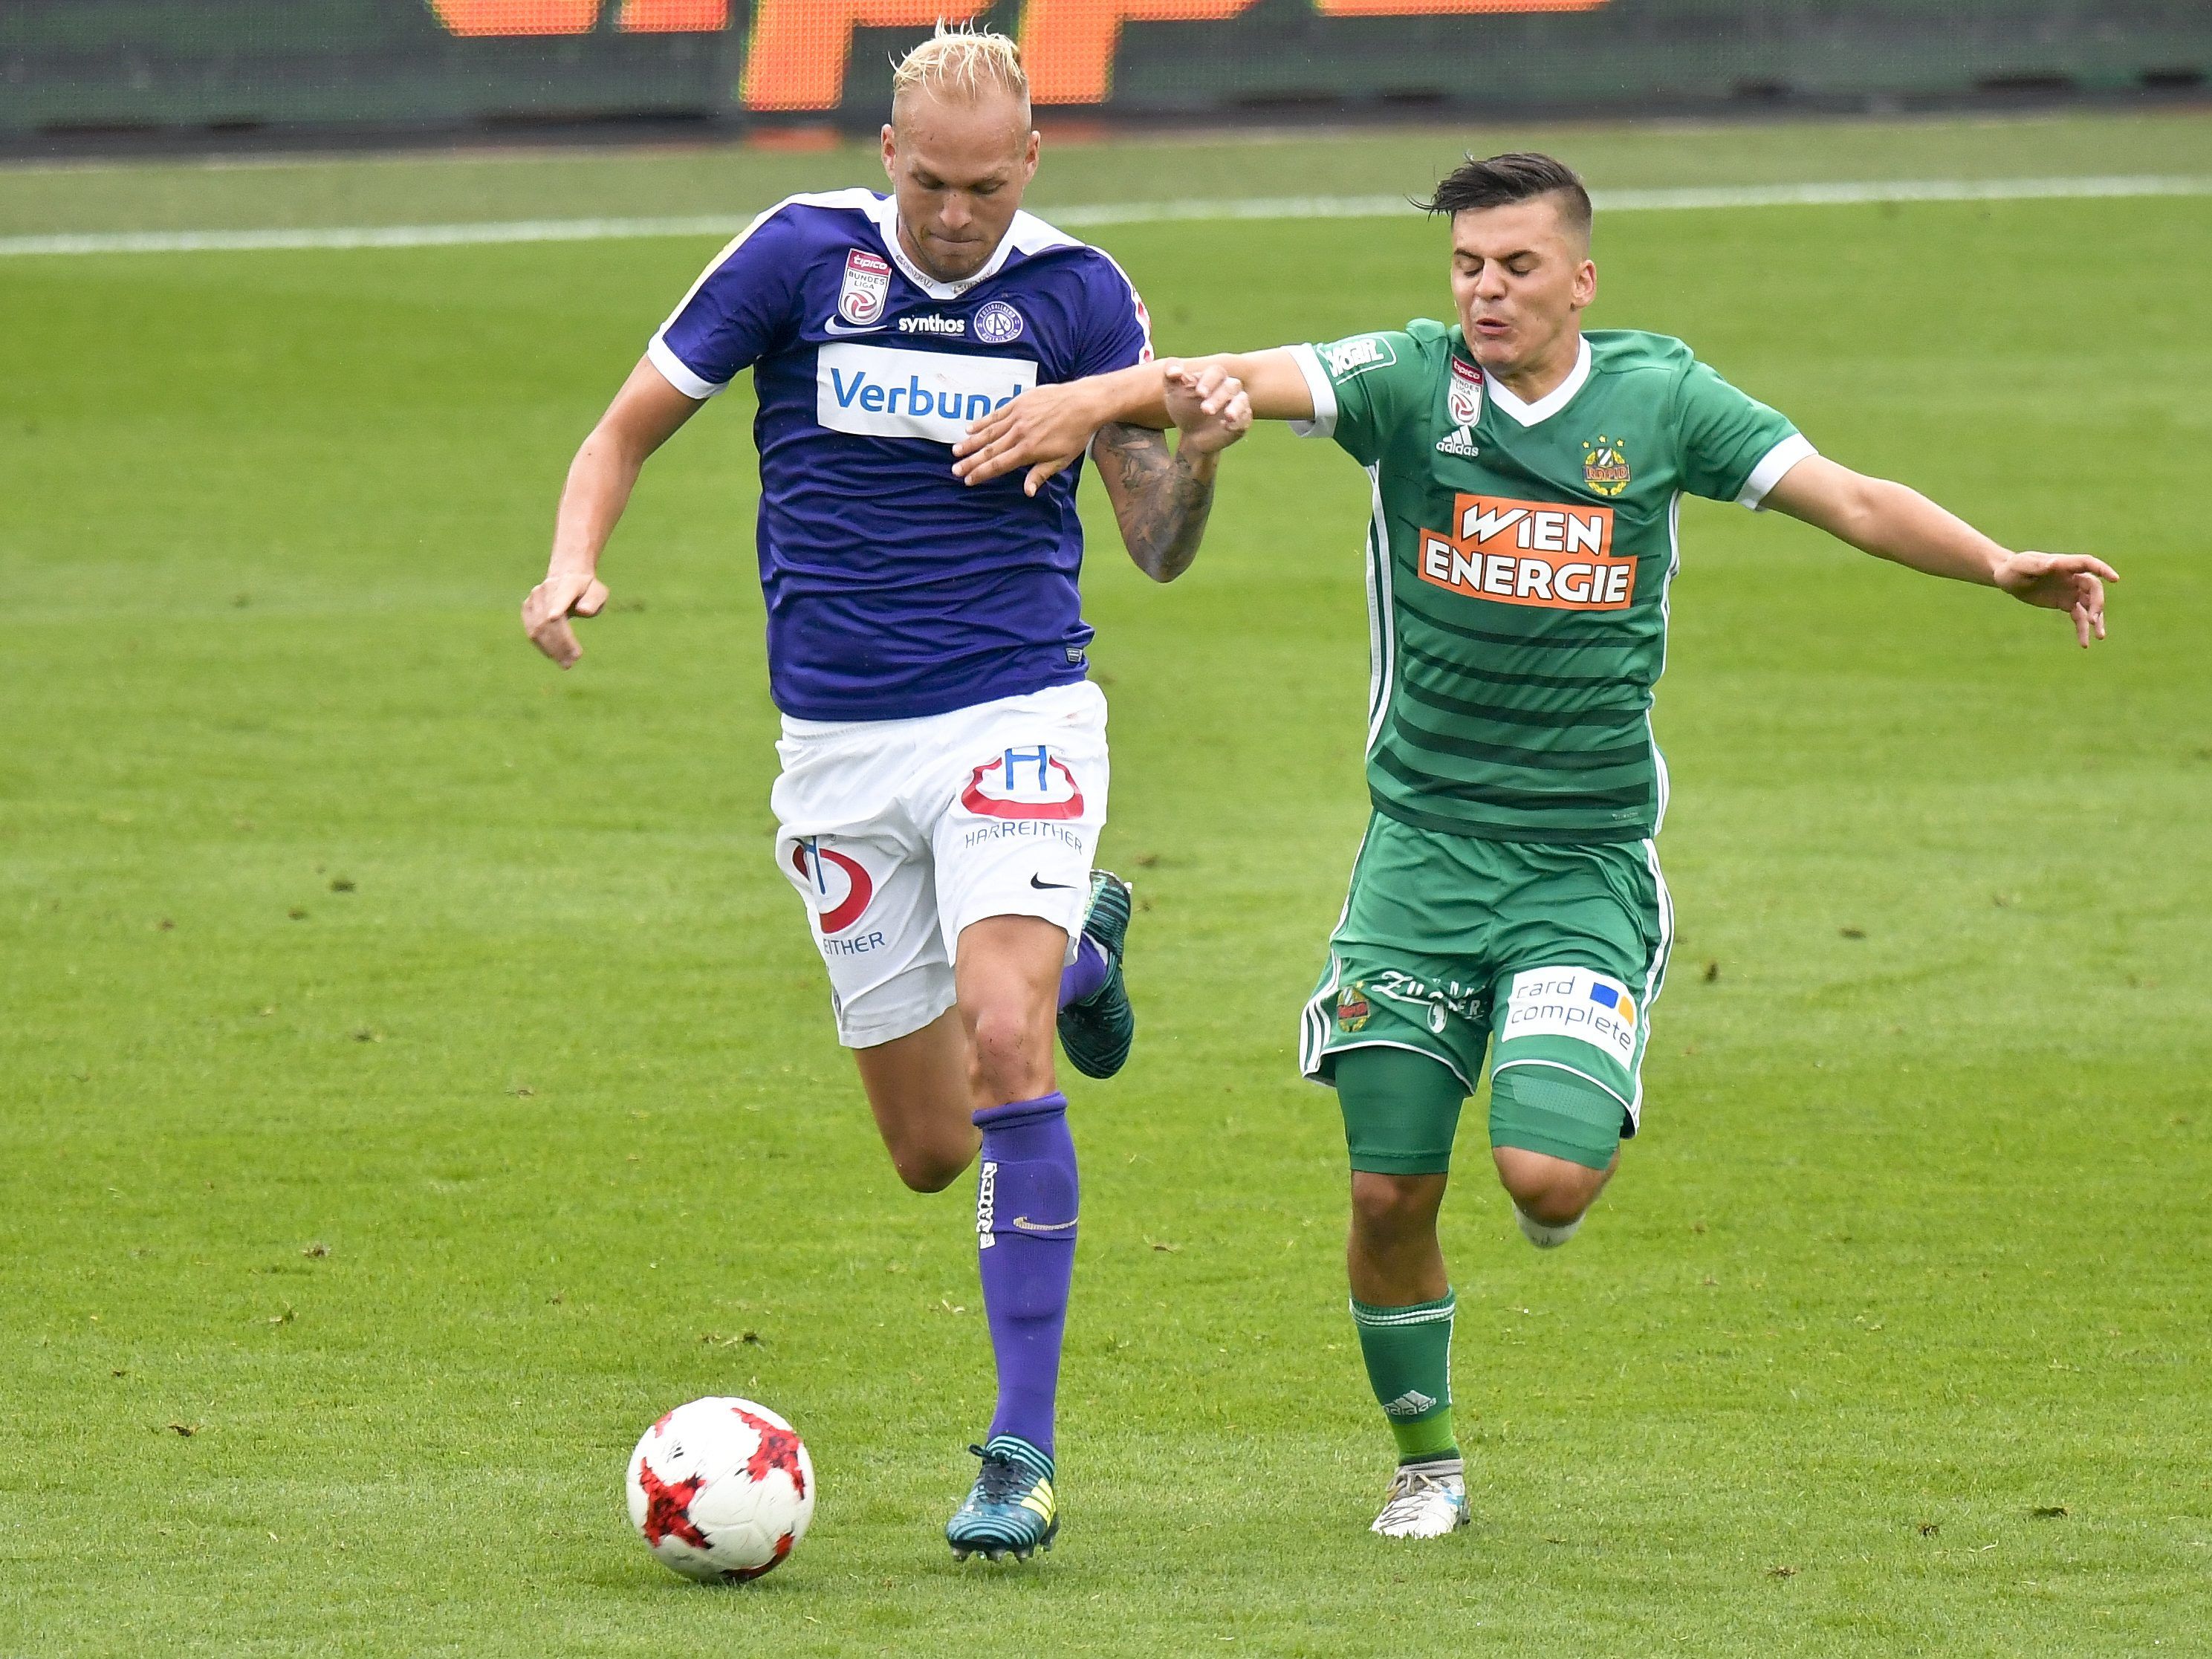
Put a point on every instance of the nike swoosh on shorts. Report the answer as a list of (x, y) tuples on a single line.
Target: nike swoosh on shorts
[(1051, 886)]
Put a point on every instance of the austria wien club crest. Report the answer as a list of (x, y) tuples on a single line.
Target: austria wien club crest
[(867, 285), (998, 324)]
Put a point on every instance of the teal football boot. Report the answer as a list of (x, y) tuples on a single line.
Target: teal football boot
[(1011, 1510), (1097, 1032)]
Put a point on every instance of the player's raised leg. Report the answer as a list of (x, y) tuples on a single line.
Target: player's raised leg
[(1596, 927), (1569, 1044)]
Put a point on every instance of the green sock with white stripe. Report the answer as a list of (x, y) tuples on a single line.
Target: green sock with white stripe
[(1408, 1354)]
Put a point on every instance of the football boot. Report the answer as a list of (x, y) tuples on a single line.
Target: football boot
[(1010, 1511), (1426, 1500), (1097, 1032)]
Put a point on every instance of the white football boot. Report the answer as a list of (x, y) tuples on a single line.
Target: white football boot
[(1426, 1500), (1542, 1237)]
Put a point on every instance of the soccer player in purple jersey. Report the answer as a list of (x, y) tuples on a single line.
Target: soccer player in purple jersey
[(944, 755)]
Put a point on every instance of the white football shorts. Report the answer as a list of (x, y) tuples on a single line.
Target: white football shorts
[(900, 834)]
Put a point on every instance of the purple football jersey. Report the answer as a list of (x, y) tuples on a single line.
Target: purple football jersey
[(893, 589)]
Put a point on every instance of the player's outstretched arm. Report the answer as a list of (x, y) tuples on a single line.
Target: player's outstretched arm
[(643, 414), (1162, 501), (1047, 427), (1894, 522)]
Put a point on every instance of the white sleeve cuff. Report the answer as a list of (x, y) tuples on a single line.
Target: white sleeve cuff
[(674, 370), (1323, 424), (1776, 462)]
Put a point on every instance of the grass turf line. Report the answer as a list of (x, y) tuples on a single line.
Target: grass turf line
[(1081, 215), (1909, 1242), (730, 181)]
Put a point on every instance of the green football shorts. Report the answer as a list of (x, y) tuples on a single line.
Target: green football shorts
[(1446, 940)]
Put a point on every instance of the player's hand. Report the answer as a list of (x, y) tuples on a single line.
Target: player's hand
[(1209, 407), (1045, 429), (2072, 582), (545, 613)]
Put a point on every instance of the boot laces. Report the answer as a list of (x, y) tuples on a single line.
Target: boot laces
[(1003, 1478)]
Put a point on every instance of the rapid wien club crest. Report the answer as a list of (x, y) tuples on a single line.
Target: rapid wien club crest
[(867, 285), (1604, 468)]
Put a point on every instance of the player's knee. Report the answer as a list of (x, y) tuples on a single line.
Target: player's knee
[(1388, 1208), (931, 1154), (927, 1169), (1551, 1191), (1555, 1137), (1011, 1055)]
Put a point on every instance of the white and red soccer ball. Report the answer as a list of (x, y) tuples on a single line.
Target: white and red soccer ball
[(722, 1490)]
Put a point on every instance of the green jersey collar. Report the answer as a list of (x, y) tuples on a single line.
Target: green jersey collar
[(1503, 399)]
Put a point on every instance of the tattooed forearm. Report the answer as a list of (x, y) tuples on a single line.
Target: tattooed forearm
[(1161, 499)]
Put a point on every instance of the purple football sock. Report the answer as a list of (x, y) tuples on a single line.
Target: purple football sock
[(1025, 1210), (1084, 976)]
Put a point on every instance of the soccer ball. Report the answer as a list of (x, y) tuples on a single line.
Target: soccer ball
[(722, 1490)]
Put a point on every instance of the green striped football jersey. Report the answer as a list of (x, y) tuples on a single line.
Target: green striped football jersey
[(1518, 560)]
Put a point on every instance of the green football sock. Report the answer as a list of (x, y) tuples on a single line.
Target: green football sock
[(1408, 1354)]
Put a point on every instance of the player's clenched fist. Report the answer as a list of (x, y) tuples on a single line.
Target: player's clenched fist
[(1208, 406), (545, 613)]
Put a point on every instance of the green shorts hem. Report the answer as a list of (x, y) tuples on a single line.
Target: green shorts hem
[(1366, 1162), (1323, 1069), (1531, 1138), (1557, 1112)]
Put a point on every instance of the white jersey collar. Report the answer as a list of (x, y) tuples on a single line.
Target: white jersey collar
[(1027, 234), (1502, 397)]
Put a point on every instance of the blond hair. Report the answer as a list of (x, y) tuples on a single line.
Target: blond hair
[(963, 64)]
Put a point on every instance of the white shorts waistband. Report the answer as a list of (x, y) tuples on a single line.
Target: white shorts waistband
[(1052, 700)]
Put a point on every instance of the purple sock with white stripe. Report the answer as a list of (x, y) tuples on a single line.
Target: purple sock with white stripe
[(1025, 1214)]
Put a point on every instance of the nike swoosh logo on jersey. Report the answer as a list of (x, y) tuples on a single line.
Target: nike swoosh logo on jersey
[(834, 327), (1052, 886), (1030, 1226)]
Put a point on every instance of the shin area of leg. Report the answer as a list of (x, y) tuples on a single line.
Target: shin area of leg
[(1027, 1197), (1007, 977), (1399, 1109)]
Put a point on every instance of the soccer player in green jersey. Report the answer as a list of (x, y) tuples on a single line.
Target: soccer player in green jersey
[(1507, 898)]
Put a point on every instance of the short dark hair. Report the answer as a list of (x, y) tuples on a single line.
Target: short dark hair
[(1501, 180)]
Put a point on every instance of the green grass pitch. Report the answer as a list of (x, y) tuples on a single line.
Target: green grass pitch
[(413, 1077)]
